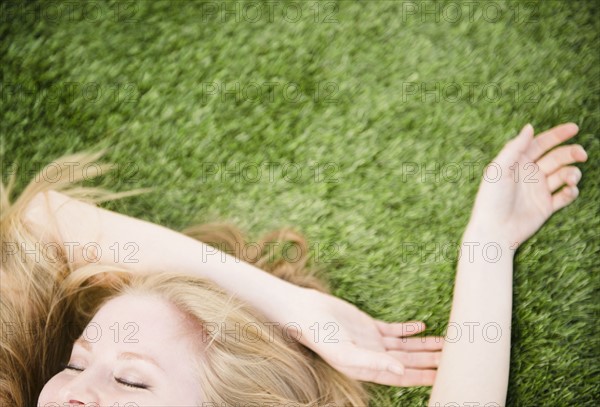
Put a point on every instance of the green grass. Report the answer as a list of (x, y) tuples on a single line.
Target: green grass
[(153, 62)]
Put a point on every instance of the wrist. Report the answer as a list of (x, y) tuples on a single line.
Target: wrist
[(283, 297), (486, 230), (490, 241)]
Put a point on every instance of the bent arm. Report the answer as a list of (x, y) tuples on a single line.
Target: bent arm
[(91, 234), (474, 365)]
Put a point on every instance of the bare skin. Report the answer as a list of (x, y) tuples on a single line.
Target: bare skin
[(367, 349), (508, 210), (505, 212), (105, 370)]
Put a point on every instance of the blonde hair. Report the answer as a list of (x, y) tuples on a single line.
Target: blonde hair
[(45, 305)]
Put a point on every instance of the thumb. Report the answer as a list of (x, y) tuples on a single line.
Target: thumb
[(521, 142), (514, 147)]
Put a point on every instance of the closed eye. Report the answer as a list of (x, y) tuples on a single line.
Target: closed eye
[(71, 367), (118, 380), (131, 384)]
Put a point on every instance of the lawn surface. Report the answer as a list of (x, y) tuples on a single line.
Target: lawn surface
[(357, 123)]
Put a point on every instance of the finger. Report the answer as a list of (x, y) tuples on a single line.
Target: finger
[(561, 156), (418, 377), (400, 328), (523, 140), (418, 360), (550, 139), (424, 343), (516, 146), (566, 175), (564, 197), (363, 360), (411, 377)]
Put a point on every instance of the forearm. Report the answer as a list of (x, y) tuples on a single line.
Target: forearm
[(474, 366), (134, 244)]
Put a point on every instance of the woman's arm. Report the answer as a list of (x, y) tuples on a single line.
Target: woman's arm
[(347, 338), (90, 234), (475, 360), (515, 198)]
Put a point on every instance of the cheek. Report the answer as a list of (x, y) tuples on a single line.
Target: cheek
[(51, 390)]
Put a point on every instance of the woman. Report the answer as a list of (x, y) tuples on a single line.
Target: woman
[(94, 319), (168, 340), (511, 205)]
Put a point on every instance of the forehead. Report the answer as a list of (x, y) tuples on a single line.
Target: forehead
[(149, 327), (143, 319)]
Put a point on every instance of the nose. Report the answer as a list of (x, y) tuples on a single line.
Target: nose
[(80, 391)]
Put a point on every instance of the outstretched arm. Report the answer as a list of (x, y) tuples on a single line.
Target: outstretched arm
[(475, 360), (516, 196)]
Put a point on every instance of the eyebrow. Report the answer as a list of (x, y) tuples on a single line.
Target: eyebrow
[(138, 356), (84, 343)]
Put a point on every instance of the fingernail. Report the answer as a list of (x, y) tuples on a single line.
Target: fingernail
[(397, 369)]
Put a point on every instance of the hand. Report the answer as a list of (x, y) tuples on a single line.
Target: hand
[(364, 348), (518, 191)]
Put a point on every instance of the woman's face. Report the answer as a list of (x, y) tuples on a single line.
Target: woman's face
[(135, 350)]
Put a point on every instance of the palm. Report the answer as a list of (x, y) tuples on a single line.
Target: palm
[(516, 193), (362, 347)]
